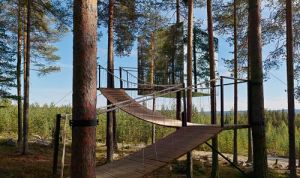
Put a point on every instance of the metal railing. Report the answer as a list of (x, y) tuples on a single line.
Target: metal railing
[(124, 78), (222, 84)]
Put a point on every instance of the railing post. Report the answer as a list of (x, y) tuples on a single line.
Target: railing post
[(184, 118), (121, 81), (178, 105), (222, 101), (56, 146), (127, 79)]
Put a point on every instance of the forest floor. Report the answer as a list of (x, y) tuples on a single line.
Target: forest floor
[(38, 163)]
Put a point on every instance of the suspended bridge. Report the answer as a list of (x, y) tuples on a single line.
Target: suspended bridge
[(162, 152)]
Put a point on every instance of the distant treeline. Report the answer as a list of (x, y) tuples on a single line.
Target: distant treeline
[(134, 131)]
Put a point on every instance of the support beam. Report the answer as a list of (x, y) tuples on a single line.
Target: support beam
[(228, 160)]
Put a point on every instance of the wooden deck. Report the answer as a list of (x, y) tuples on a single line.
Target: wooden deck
[(161, 153), (139, 111)]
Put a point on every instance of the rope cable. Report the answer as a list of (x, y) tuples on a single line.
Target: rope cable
[(154, 95)]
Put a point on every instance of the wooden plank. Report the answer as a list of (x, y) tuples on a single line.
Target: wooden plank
[(159, 154), (162, 152), (137, 110)]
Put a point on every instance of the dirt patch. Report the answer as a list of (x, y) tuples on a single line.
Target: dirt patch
[(38, 163)]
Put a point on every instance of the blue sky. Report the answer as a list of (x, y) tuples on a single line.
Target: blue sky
[(57, 87)]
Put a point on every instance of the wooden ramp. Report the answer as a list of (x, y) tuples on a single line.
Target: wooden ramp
[(139, 111), (159, 154)]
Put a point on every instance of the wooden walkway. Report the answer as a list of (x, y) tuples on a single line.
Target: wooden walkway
[(161, 153), (139, 111)]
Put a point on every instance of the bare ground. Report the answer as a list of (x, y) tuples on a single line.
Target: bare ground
[(38, 163)]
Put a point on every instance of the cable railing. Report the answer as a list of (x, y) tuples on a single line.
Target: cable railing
[(175, 89), (156, 94), (126, 83)]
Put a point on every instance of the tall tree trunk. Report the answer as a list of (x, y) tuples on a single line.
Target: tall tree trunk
[(177, 11), (84, 88), (190, 59), (110, 82), (26, 81), (152, 68), (115, 136), (24, 39), (250, 143), (24, 68), (290, 88), (189, 77), (111, 58), (235, 110), (178, 94), (215, 159), (19, 83), (260, 165)]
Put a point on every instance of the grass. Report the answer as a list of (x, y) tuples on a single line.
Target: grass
[(37, 163)]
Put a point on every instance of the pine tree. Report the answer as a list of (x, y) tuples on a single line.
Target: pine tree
[(215, 159), (125, 24), (189, 77), (260, 165), (49, 21), (7, 66), (26, 79), (19, 68), (235, 71), (290, 88), (110, 83), (83, 161)]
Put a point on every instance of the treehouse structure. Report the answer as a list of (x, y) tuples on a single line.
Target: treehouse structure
[(161, 72)]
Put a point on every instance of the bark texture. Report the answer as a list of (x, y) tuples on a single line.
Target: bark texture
[(26, 80), (110, 83), (84, 88), (235, 109), (19, 83), (189, 78), (177, 11), (260, 166), (190, 59), (215, 160), (178, 94), (290, 88)]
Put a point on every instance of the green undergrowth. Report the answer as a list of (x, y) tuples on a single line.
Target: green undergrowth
[(134, 131)]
